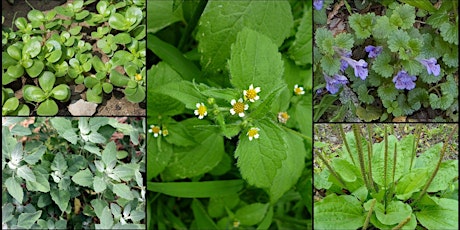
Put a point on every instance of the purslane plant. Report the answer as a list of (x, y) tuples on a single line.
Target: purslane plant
[(386, 185), (411, 61)]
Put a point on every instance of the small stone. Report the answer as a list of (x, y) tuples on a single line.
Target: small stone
[(79, 88), (82, 108)]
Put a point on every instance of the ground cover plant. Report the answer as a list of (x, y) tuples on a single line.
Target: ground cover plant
[(98, 46), (379, 177), (386, 60), (229, 114), (73, 173)]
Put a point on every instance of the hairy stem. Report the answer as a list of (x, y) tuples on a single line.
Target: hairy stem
[(332, 170), (369, 157), (344, 137), (418, 132), (404, 222), (394, 161), (385, 167), (443, 151), (359, 145), (369, 214)]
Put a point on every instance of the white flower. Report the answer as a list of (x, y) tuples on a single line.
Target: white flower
[(238, 107), (298, 90), (253, 133), (155, 130), (201, 110), (251, 93)]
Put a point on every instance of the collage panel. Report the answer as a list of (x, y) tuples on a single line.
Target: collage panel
[(229, 115), (73, 173), (73, 58), (385, 61), (386, 176)]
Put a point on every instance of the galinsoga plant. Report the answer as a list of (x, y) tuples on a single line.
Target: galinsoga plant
[(385, 185)]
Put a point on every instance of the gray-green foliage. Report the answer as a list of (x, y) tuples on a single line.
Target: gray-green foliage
[(57, 174)]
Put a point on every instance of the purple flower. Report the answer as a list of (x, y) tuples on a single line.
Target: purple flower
[(403, 80), (360, 67), (318, 4), (333, 83), (373, 51), (431, 66), (343, 63)]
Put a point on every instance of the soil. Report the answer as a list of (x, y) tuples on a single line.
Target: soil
[(114, 104)]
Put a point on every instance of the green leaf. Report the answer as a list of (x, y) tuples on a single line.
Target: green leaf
[(109, 154), (61, 92), (378, 162), (64, 128), (14, 189), (59, 163), (36, 155), (33, 93), (160, 153), (118, 79), (260, 159), (330, 65), (445, 176), (61, 198), (361, 24), (369, 113), (197, 159), (122, 38), (300, 51), (96, 138), (422, 4), (46, 81), (126, 171), (41, 184), (251, 214), (99, 184), (161, 15), (118, 22), (382, 66), (443, 215), (255, 60), (202, 219), (200, 189), (437, 19), (32, 47), (36, 68), (135, 95), (26, 173), (443, 102), (410, 183), (218, 204), (183, 91), (338, 212), (345, 169), (449, 32), (403, 16), (83, 178), (272, 19), (123, 191), (47, 108), (106, 219), (383, 28), (398, 41), (325, 41), (27, 220)]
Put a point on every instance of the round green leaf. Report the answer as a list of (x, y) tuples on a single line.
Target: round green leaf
[(21, 23), (118, 79), (98, 65), (122, 38), (27, 63), (36, 15), (15, 71), (93, 96), (32, 47), (251, 214), (10, 105), (14, 189), (48, 108), (14, 52), (54, 56), (33, 93), (36, 68), (23, 110), (61, 92), (81, 15), (107, 87), (135, 95), (118, 22), (90, 81), (46, 81), (83, 178)]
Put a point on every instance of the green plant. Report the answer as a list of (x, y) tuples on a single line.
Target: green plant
[(229, 110), (59, 42), (72, 173), (411, 63), (386, 185)]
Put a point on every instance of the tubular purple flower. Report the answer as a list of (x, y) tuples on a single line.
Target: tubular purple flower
[(343, 63), (333, 83), (431, 66), (360, 67), (403, 80), (318, 4), (373, 51)]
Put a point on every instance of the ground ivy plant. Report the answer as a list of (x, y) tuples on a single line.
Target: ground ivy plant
[(83, 42), (397, 61), (229, 114), (60, 173), (388, 184)]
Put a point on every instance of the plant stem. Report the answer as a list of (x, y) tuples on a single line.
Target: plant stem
[(332, 170), (298, 134), (443, 151), (369, 214), (192, 24), (369, 157), (400, 225), (418, 132), (359, 146), (394, 162), (385, 167), (344, 137)]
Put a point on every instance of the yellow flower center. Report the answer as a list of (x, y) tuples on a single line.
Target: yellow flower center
[(165, 132), (298, 91), (252, 132), (251, 93), (156, 129), (201, 110), (238, 107), (138, 77)]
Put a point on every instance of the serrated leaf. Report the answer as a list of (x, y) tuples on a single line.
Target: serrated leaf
[(437, 19), (382, 66), (422, 4), (363, 94), (395, 212), (325, 41), (410, 183), (99, 184), (83, 178), (445, 176), (330, 65), (59, 163), (398, 41), (64, 128), (41, 184), (300, 51), (106, 219), (272, 19), (123, 191), (109, 154), (36, 155), (403, 16), (27, 220), (251, 214), (383, 28), (259, 159), (361, 24), (443, 215), (368, 114), (61, 198), (449, 33), (255, 60), (339, 212), (14, 189), (26, 173), (183, 91)]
